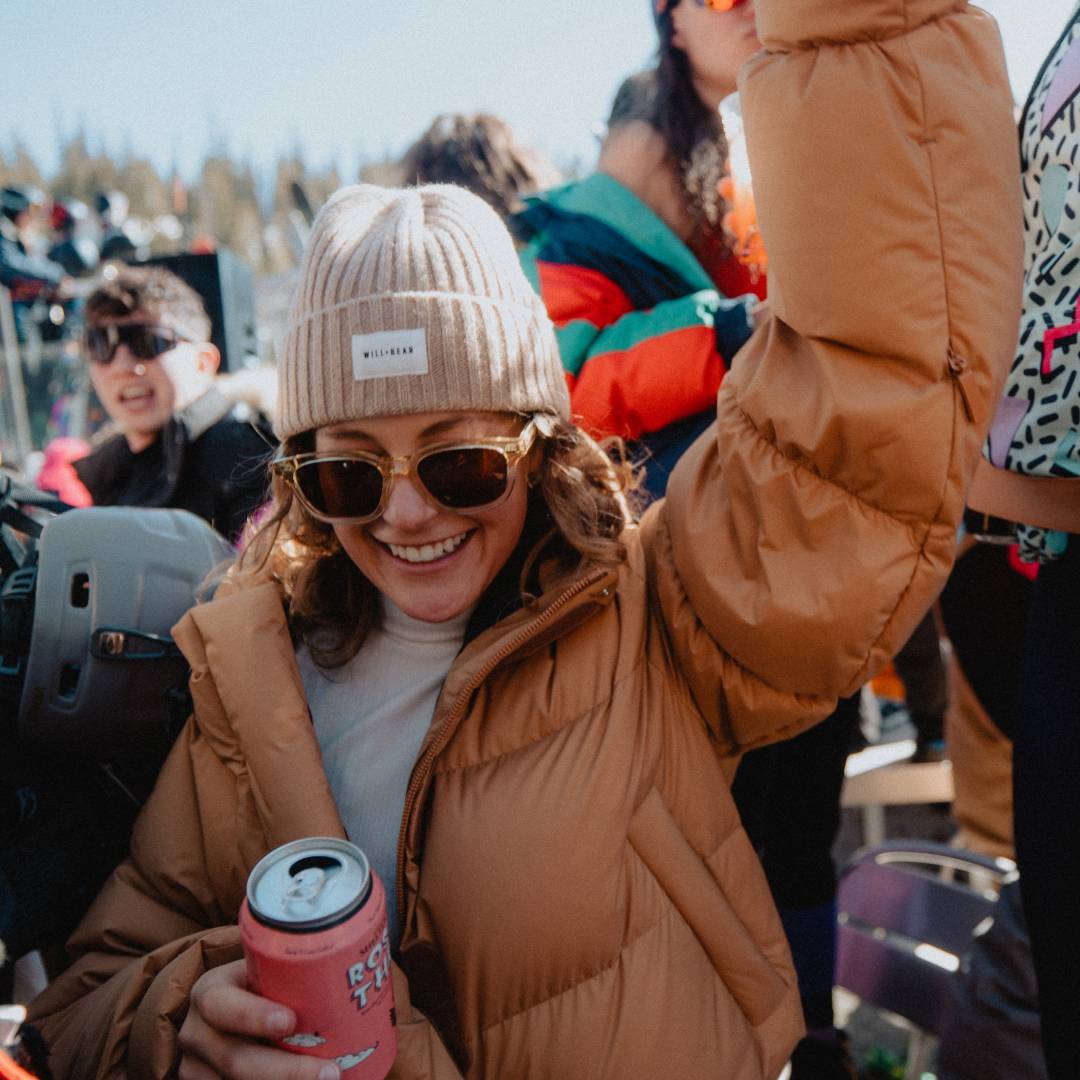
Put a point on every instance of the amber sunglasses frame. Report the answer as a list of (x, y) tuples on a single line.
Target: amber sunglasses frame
[(512, 448)]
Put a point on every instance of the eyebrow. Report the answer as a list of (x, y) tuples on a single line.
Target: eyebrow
[(442, 425), (438, 428)]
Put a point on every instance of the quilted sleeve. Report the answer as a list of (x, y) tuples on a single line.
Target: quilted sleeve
[(804, 537)]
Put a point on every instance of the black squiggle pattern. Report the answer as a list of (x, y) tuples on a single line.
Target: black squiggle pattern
[(1046, 442)]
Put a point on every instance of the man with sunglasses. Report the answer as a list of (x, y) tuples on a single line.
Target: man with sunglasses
[(153, 368)]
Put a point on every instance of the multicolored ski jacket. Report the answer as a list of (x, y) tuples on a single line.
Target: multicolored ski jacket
[(644, 334)]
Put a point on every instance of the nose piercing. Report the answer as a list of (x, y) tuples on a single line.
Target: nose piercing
[(140, 369)]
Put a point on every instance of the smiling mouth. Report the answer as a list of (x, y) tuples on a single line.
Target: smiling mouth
[(427, 553), (135, 393)]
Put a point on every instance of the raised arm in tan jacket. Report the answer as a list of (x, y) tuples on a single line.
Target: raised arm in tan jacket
[(886, 173)]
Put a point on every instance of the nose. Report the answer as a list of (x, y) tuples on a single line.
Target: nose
[(124, 357), (406, 508)]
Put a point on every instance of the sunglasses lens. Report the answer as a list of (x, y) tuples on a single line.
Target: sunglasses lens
[(464, 477), (144, 342), (98, 346), (340, 487)]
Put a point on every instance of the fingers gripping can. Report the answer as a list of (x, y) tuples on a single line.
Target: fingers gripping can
[(316, 939)]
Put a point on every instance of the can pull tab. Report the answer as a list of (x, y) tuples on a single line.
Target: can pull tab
[(309, 879)]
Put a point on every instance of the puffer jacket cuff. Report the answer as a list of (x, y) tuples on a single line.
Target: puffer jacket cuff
[(733, 323), (152, 1046), (801, 24)]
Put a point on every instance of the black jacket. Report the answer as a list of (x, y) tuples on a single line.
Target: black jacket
[(21, 271), (206, 461)]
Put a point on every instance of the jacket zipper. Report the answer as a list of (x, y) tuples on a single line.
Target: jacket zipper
[(957, 367), (446, 728)]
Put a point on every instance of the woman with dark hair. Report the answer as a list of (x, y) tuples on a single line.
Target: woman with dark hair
[(702, 47), (648, 299)]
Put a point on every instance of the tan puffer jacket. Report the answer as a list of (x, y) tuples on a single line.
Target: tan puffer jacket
[(578, 897)]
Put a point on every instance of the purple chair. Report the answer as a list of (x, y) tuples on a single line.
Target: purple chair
[(908, 912)]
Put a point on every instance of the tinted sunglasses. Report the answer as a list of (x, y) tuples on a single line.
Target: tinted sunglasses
[(712, 5), (144, 341), (354, 486)]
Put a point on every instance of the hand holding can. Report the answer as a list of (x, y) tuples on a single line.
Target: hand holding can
[(227, 1029), (316, 940)]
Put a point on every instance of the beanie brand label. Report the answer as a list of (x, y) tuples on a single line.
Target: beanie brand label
[(389, 352)]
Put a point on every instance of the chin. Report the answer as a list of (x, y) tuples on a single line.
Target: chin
[(431, 601), (434, 610), (432, 596)]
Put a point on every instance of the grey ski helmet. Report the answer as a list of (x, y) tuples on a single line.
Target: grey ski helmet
[(111, 583)]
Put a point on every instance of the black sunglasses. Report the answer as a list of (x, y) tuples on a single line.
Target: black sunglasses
[(354, 486), (144, 341)]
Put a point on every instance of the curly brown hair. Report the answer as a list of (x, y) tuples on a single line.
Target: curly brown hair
[(480, 152), (590, 492)]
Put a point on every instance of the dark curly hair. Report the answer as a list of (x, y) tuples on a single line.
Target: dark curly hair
[(665, 98)]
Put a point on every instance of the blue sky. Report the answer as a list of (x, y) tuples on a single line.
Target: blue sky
[(343, 80)]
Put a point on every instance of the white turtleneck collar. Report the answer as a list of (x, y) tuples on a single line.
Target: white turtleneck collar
[(402, 627)]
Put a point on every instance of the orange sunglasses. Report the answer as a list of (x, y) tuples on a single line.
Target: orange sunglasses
[(712, 5)]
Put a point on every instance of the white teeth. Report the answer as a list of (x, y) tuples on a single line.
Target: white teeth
[(134, 392), (429, 552)]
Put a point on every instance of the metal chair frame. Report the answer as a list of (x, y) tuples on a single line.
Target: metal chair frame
[(908, 913)]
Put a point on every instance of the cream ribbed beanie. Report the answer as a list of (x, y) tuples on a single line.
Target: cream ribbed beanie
[(414, 301)]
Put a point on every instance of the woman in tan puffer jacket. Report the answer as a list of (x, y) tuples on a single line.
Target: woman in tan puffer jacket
[(571, 898)]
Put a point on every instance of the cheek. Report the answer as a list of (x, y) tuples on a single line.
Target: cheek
[(714, 44), (177, 375), (99, 380), (164, 387), (353, 542), (506, 527)]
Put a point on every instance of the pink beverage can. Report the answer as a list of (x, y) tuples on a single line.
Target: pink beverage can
[(316, 939)]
